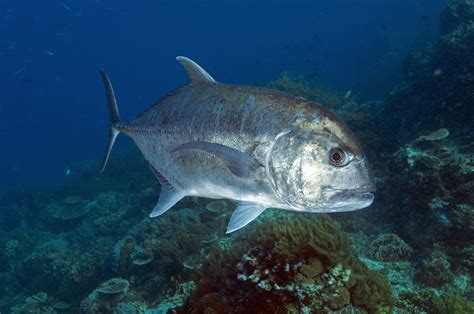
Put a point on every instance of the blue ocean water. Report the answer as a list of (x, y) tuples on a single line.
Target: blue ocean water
[(399, 73)]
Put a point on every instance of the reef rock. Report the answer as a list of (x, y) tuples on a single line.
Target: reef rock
[(436, 180), (106, 297), (435, 93)]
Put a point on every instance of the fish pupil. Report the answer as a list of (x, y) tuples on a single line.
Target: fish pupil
[(337, 156)]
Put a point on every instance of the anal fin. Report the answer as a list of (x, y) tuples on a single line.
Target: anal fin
[(168, 198), (169, 195), (244, 214)]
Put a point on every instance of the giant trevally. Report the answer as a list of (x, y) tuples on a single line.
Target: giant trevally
[(257, 146)]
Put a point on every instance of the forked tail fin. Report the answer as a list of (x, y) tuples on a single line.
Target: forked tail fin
[(114, 117)]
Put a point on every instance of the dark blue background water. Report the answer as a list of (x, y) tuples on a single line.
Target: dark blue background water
[(52, 107)]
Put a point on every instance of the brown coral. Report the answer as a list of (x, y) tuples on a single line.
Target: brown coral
[(291, 264), (301, 88), (316, 236)]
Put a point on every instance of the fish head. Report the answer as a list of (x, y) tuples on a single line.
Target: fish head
[(322, 169)]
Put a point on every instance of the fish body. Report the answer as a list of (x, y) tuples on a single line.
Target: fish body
[(254, 145)]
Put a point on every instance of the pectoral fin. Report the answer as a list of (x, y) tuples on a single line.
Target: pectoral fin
[(240, 164), (243, 215), (169, 195)]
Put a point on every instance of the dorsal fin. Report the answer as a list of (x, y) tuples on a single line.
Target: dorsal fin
[(196, 74)]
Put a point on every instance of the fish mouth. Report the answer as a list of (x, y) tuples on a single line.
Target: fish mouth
[(348, 200), (364, 190)]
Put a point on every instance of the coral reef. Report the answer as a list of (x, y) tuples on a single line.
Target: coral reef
[(426, 301), (296, 264), (106, 297), (428, 178), (390, 248), (437, 180), (435, 93), (435, 271), (437, 135), (72, 207), (40, 303)]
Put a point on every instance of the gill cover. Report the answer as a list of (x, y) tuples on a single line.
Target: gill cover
[(280, 160), (297, 167)]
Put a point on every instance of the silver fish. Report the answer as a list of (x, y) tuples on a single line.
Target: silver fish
[(254, 145)]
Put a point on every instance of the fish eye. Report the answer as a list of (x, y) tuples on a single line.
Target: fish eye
[(338, 157)]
